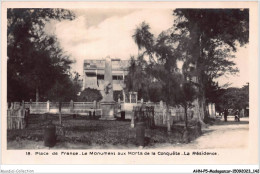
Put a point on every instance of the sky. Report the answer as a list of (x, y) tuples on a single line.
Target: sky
[(98, 33)]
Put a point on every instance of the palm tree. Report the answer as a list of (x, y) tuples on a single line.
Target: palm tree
[(137, 79), (143, 38)]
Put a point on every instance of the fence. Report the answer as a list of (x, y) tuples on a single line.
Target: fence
[(16, 116), (66, 107), (177, 114)]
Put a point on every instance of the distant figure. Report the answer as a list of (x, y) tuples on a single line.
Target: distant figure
[(237, 115), (225, 114)]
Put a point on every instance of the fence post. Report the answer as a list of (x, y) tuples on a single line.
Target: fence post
[(167, 117), (24, 116), (119, 106), (23, 105), (213, 110), (94, 104), (168, 121), (23, 109), (164, 113), (161, 104), (30, 105), (133, 117), (48, 106), (71, 106)]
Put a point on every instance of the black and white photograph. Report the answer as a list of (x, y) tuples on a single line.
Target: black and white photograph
[(124, 78)]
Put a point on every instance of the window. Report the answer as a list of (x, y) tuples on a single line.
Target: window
[(100, 77), (133, 98), (86, 65), (114, 77), (126, 98), (117, 77), (130, 97), (90, 74)]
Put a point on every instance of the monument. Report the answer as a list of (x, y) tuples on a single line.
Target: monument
[(107, 103)]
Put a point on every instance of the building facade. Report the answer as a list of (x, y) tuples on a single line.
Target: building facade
[(94, 73)]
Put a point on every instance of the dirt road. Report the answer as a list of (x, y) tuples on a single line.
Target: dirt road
[(229, 134)]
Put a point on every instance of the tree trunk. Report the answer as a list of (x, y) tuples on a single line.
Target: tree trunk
[(168, 119), (199, 67), (60, 120), (202, 106), (199, 105), (202, 109), (186, 117), (37, 94)]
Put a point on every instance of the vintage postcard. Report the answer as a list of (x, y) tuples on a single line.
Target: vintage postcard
[(129, 83)]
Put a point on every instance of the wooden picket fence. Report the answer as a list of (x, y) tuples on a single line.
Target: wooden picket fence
[(17, 116), (177, 114), (156, 115)]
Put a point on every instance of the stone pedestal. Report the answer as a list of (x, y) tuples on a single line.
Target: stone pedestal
[(108, 104), (107, 110)]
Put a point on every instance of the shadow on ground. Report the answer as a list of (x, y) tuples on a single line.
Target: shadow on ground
[(229, 122)]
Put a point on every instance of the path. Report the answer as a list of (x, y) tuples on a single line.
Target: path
[(229, 134)]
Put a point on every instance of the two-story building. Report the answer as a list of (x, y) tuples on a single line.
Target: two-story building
[(94, 73)]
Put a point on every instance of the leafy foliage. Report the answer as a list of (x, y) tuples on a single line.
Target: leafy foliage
[(209, 39), (35, 60), (64, 89), (118, 95), (235, 98), (186, 95), (143, 38), (159, 79), (137, 79), (227, 25), (89, 95), (211, 36)]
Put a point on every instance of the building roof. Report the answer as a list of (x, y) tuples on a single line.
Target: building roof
[(99, 64)]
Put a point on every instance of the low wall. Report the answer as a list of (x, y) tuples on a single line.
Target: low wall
[(66, 107)]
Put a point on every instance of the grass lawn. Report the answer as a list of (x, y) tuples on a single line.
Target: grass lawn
[(84, 133)]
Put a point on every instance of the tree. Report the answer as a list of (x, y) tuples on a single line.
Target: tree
[(118, 95), (90, 95), (185, 96), (143, 38), (162, 69), (137, 79), (212, 35), (65, 89), (235, 98), (213, 94), (34, 56)]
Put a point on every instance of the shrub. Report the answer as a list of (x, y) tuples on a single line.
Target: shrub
[(118, 94), (89, 95)]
